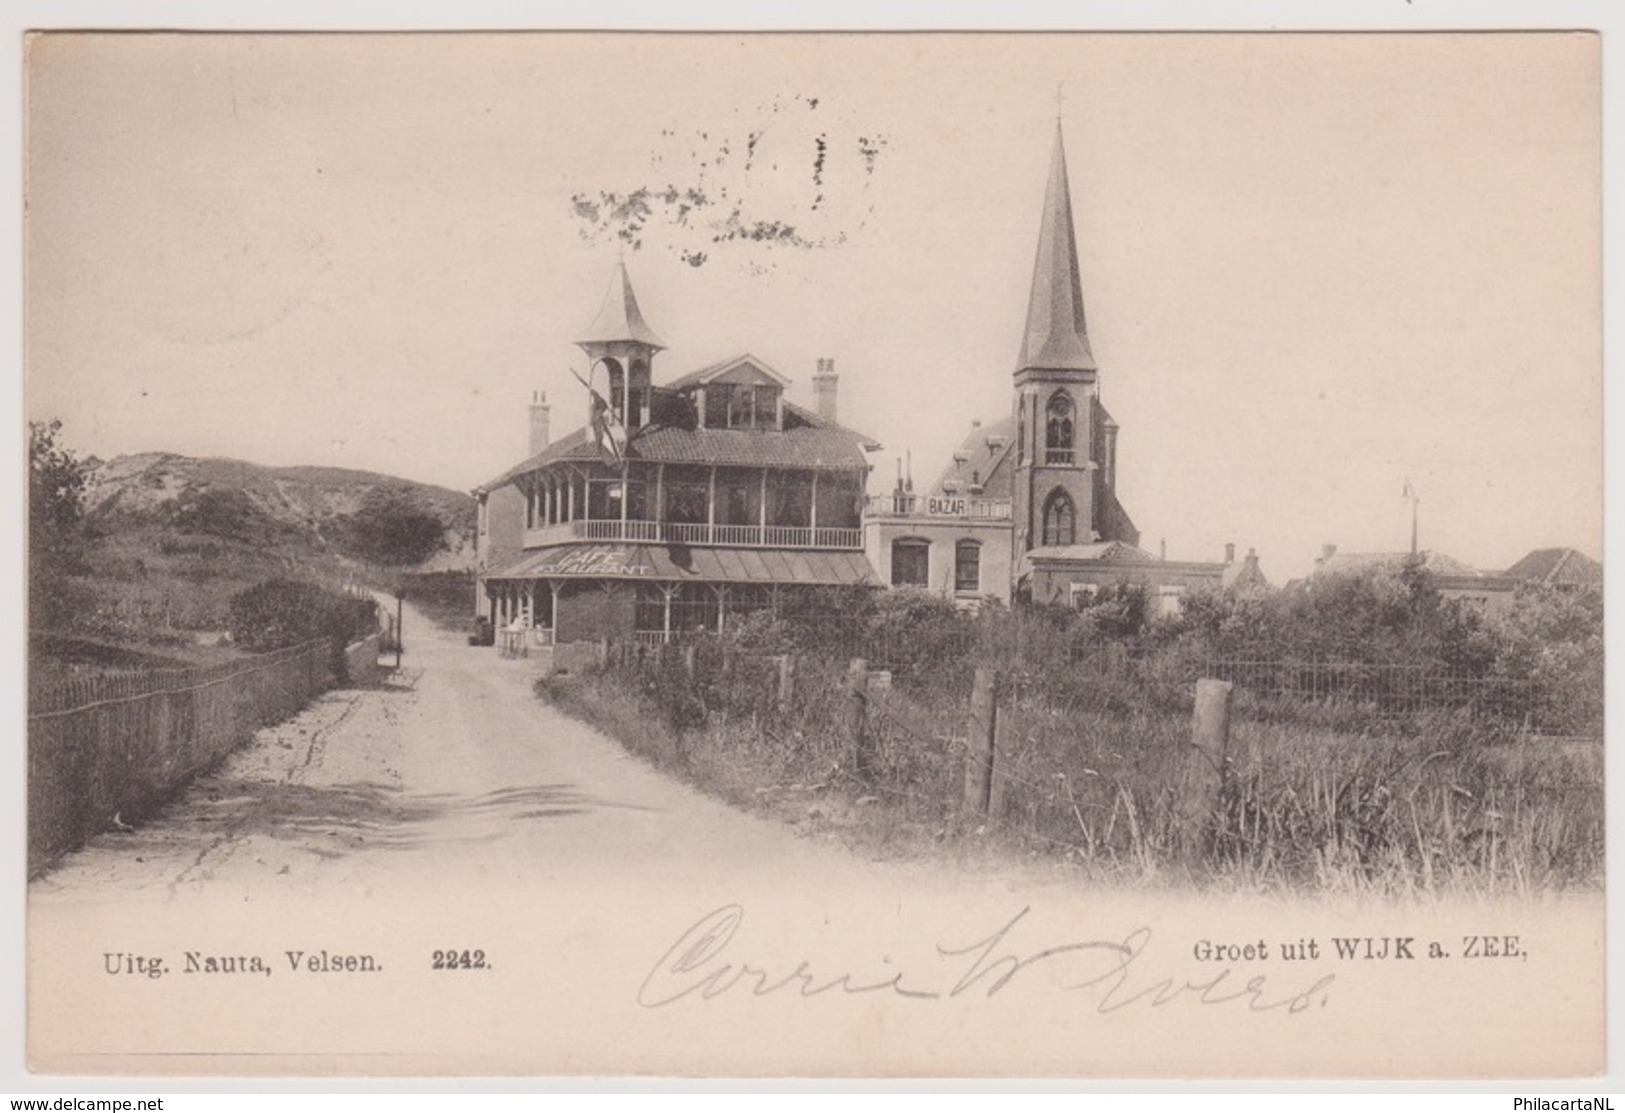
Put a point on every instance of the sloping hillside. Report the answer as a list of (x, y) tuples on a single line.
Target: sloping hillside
[(232, 496), (168, 540)]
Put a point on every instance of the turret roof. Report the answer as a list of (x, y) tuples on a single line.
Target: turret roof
[(620, 318)]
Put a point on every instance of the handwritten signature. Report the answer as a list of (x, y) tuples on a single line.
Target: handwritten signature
[(701, 965)]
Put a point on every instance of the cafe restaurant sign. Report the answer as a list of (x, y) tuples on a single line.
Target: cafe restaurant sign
[(598, 560)]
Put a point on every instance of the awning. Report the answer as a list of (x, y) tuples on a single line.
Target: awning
[(684, 562)]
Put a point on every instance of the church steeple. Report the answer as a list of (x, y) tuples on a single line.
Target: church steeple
[(1066, 442), (1056, 337)]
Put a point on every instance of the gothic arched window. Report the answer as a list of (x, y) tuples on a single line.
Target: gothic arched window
[(1060, 519), (1058, 429)]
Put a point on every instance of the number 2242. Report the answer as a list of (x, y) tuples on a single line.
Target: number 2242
[(459, 960)]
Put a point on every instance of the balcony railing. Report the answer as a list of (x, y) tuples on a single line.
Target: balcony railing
[(698, 533), (938, 506)]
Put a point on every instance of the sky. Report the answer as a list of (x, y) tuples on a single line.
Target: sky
[(1314, 266)]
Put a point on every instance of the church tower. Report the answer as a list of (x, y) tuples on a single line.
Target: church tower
[(621, 342), (1066, 443)]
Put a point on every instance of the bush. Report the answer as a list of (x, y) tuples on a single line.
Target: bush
[(281, 613), (912, 629), (56, 535), (393, 527), (228, 513)]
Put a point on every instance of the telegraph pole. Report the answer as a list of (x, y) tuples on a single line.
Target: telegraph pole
[(400, 602)]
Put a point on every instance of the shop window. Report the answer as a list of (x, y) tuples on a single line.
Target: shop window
[(910, 563), (968, 567)]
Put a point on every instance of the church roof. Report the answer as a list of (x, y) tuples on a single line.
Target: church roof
[(620, 318), (1056, 336)]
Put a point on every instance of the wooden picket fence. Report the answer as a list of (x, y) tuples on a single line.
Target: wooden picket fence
[(120, 745)]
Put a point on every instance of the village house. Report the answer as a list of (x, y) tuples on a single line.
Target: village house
[(1488, 592), (1557, 570)]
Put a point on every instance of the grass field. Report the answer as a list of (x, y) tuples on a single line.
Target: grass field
[(1432, 805)]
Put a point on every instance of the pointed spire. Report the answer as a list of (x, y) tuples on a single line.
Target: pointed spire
[(1056, 336), (620, 318)]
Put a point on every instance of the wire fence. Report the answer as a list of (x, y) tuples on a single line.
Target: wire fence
[(111, 747), (1437, 789)]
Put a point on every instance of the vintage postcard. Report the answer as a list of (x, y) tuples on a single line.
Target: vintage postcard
[(815, 555)]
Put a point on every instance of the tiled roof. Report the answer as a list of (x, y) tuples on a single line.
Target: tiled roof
[(683, 562), (995, 466), (806, 447), (722, 366), (1243, 573), (1440, 564), (1556, 566), (1101, 551)]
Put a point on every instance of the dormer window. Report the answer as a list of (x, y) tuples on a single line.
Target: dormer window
[(752, 406)]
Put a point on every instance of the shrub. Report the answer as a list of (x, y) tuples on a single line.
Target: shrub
[(56, 537), (228, 513), (921, 635), (281, 613), (394, 527)]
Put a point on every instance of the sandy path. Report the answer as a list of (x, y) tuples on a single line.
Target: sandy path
[(449, 771)]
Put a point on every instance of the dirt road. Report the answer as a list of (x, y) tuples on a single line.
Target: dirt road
[(445, 875), (450, 772)]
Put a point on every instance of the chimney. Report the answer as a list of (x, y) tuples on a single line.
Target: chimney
[(1230, 552), (1327, 551), (539, 413), (1162, 549), (824, 389)]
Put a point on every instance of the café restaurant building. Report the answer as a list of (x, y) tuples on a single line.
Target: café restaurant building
[(674, 507)]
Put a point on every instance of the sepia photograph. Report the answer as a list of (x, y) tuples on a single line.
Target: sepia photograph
[(814, 555)]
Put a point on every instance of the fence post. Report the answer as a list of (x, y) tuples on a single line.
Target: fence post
[(857, 714), (1003, 723), (688, 661), (979, 743), (1205, 766), (787, 682)]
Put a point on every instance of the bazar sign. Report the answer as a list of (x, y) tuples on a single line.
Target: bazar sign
[(947, 507), (599, 560)]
